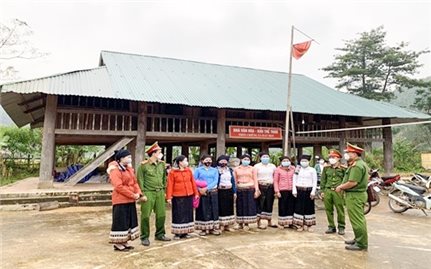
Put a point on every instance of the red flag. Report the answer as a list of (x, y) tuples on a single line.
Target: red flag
[(300, 49)]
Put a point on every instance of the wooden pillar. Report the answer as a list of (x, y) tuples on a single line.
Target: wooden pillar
[(264, 147), (317, 151), (141, 136), (48, 143), (342, 142), (238, 151), (387, 147), (300, 152), (250, 151), (185, 149), (169, 154), (221, 132), (132, 148), (203, 148)]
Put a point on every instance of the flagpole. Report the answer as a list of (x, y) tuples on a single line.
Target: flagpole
[(286, 146)]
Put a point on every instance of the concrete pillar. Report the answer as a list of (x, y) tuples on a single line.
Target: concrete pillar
[(238, 151), (387, 148), (185, 149), (48, 144), (169, 154), (221, 132), (203, 148), (141, 136)]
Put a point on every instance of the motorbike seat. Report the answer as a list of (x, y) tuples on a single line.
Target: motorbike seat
[(424, 176), (416, 189), (389, 177)]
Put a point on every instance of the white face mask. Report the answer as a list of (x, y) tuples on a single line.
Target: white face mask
[(185, 163), (322, 162), (346, 156), (305, 164), (160, 156), (333, 161)]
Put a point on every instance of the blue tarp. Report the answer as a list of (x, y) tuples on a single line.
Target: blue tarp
[(72, 169)]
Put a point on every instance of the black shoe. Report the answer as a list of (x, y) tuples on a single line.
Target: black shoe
[(145, 242), (355, 247), (341, 231), (330, 231), (163, 238), (350, 242), (116, 248)]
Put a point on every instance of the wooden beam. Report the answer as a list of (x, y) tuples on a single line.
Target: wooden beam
[(34, 108), (387, 147), (31, 100), (75, 178), (95, 132), (221, 132), (141, 135), (48, 144), (181, 135)]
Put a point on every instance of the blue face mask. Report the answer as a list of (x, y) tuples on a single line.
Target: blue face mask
[(245, 163), (285, 164), (265, 160)]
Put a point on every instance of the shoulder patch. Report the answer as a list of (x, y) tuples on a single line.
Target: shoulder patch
[(144, 162)]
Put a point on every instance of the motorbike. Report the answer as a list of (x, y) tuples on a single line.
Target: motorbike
[(421, 180), (408, 196), (373, 195), (385, 182)]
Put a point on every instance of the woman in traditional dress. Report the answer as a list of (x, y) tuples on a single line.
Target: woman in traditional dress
[(283, 181), (247, 192), (226, 193), (304, 189), (207, 218), (264, 173), (124, 196), (179, 193)]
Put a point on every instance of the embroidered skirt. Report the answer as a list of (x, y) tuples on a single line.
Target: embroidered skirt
[(246, 206), (225, 206), (124, 223), (286, 208), (182, 215), (304, 208), (265, 201), (207, 217)]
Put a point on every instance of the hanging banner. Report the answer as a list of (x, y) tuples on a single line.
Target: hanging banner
[(251, 132)]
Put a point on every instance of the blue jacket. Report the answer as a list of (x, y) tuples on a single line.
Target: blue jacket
[(210, 176)]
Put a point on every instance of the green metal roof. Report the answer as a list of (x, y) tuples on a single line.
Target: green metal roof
[(173, 81)]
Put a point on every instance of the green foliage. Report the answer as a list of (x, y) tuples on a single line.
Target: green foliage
[(374, 159), (406, 157), (368, 67)]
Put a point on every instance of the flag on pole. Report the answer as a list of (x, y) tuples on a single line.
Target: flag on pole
[(300, 49)]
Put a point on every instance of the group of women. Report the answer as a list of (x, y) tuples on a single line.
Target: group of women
[(214, 190)]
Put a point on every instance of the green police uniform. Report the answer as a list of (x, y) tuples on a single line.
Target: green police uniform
[(356, 198), (152, 181), (332, 176)]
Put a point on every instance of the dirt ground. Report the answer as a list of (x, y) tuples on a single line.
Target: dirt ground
[(77, 237)]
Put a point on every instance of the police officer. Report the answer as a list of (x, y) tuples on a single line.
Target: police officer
[(332, 177), (355, 186), (152, 181)]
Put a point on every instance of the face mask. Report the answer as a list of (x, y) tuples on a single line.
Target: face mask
[(265, 160), (304, 164), (160, 156), (285, 164), (346, 156), (207, 164), (128, 161), (333, 161), (222, 164), (322, 161), (245, 163), (185, 163)]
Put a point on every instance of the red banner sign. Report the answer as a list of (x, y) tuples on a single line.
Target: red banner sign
[(250, 132)]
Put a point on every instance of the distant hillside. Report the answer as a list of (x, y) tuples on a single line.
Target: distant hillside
[(406, 97)]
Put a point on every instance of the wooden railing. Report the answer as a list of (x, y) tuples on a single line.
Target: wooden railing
[(69, 119), (181, 124)]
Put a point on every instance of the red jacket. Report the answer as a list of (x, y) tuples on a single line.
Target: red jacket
[(124, 182), (181, 183)]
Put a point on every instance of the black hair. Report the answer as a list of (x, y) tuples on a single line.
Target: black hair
[(179, 159), (285, 157), (263, 153), (245, 156), (204, 156)]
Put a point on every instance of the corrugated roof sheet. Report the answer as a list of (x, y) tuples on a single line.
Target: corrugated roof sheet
[(173, 81)]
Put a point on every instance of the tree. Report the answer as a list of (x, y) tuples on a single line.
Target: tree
[(15, 43), (368, 67)]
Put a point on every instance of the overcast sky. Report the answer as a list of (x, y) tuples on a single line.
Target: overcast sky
[(242, 33)]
